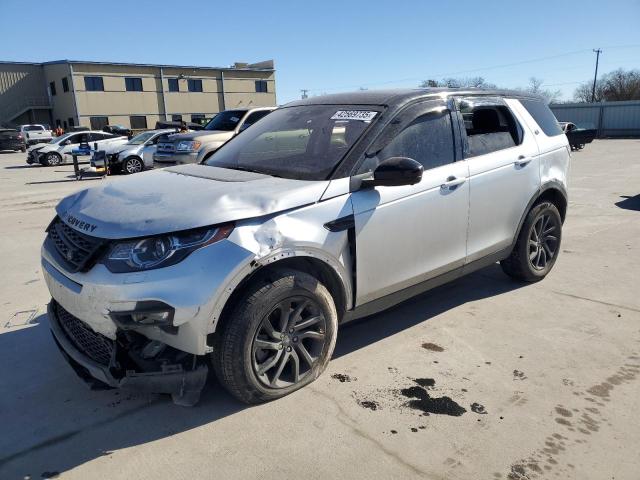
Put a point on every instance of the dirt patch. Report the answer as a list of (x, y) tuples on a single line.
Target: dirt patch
[(432, 347), (425, 382), (369, 404), (478, 408), (342, 378), (421, 400)]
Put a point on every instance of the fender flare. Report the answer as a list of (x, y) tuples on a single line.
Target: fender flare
[(256, 265), (549, 185)]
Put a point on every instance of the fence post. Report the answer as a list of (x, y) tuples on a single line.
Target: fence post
[(600, 119)]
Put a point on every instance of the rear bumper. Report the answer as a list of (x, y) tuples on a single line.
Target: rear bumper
[(182, 383), (12, 145)]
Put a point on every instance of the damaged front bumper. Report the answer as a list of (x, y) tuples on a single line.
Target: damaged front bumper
[(132, 361)]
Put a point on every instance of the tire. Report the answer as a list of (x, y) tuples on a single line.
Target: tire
[(253, 374), (52, 159), (538, 244), (23, 149), (132, 165)]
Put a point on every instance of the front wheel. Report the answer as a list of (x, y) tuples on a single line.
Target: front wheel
[(52, 159), (132, 165), (278, 339), (538, 244)]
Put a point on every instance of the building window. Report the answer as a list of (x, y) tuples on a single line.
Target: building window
[(52, 88), (58, 122), (98, 123), (93, 84), (176, 117), (71, 122), (65, 84), (261, 86), (138, 122), (195, 85), (173, 85), (64, 125), (133, 84), (197, 118)]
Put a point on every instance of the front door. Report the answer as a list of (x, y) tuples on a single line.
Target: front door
[(409, 234)]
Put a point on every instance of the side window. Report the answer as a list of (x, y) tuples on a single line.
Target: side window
[(428, 139), (543, 116), (489, 127), (74, 139), (255, 116)]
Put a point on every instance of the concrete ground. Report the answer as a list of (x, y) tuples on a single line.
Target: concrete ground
[(483, 378)]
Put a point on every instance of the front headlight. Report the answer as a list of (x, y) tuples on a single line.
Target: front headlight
[(188, 146), (161, 251)]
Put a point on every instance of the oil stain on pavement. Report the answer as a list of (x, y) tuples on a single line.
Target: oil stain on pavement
[(421, 400)]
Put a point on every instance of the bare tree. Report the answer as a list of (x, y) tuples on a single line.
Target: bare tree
[(615, 86), (536, 87), (467, 82)]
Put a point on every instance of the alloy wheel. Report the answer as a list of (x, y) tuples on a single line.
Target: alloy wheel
[(133, 166), (288, 342), (543, 241)]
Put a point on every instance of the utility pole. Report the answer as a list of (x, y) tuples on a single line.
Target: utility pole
[(597, 51), (304, 93)]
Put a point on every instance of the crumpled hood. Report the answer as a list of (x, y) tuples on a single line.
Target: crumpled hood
[(115, 147), (180, 198)]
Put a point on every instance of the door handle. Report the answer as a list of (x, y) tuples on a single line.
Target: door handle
[(522, 161), (452, 183)]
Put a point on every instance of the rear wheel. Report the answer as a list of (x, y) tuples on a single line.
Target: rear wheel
[(52, 159), (132, 165), (538, 244), (278, 339)]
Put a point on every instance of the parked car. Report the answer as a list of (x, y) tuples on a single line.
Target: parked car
[(35, 133), (250, 260), (193, 147), (12, 139), (58, 150), (578, 136), (137, 154), (118, 130), (175, 125)]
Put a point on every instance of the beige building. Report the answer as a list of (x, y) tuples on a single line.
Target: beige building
[(95, 94)]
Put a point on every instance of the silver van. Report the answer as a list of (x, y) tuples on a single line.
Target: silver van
[(328, 209)]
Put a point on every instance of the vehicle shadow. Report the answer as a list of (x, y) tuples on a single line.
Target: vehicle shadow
[(17, 167), (629, 203), (52, 422)]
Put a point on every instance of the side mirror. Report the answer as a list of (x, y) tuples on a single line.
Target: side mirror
[(396, 171)]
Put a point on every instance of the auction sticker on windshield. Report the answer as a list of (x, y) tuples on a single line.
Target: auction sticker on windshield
[(363, 115)]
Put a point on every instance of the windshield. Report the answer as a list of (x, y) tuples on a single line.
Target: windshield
[(227, 120), (61, 138), (141, 138), (304, 143)]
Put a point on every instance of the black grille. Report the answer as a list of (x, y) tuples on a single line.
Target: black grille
[(76, 250), (96, 346)]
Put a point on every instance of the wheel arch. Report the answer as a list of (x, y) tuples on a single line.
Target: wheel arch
[(552, 191), (316, 267)]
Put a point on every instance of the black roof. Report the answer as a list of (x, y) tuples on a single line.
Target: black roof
[(399, 96)]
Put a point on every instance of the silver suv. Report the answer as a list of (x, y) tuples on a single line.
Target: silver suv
[(194, 147), (328, 209)]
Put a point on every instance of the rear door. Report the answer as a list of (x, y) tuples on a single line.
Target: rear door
[(504, 172), (408, 234)]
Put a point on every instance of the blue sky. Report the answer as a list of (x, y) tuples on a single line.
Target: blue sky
[(342, 45)]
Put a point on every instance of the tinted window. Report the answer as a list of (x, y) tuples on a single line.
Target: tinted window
[(52, 88), (255, 116), (93, 84), (227, 120), (173, 85), (33, 128), (428, 140), (98, 123), (261, 86), (195, 85), (543, 116), (303, 142), (65, 84), (489, 127), (133, 84), (138, 121)]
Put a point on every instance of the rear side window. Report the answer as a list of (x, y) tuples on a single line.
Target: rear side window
[(428, 140), (255, 116), (543, 116), (489, 128)]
